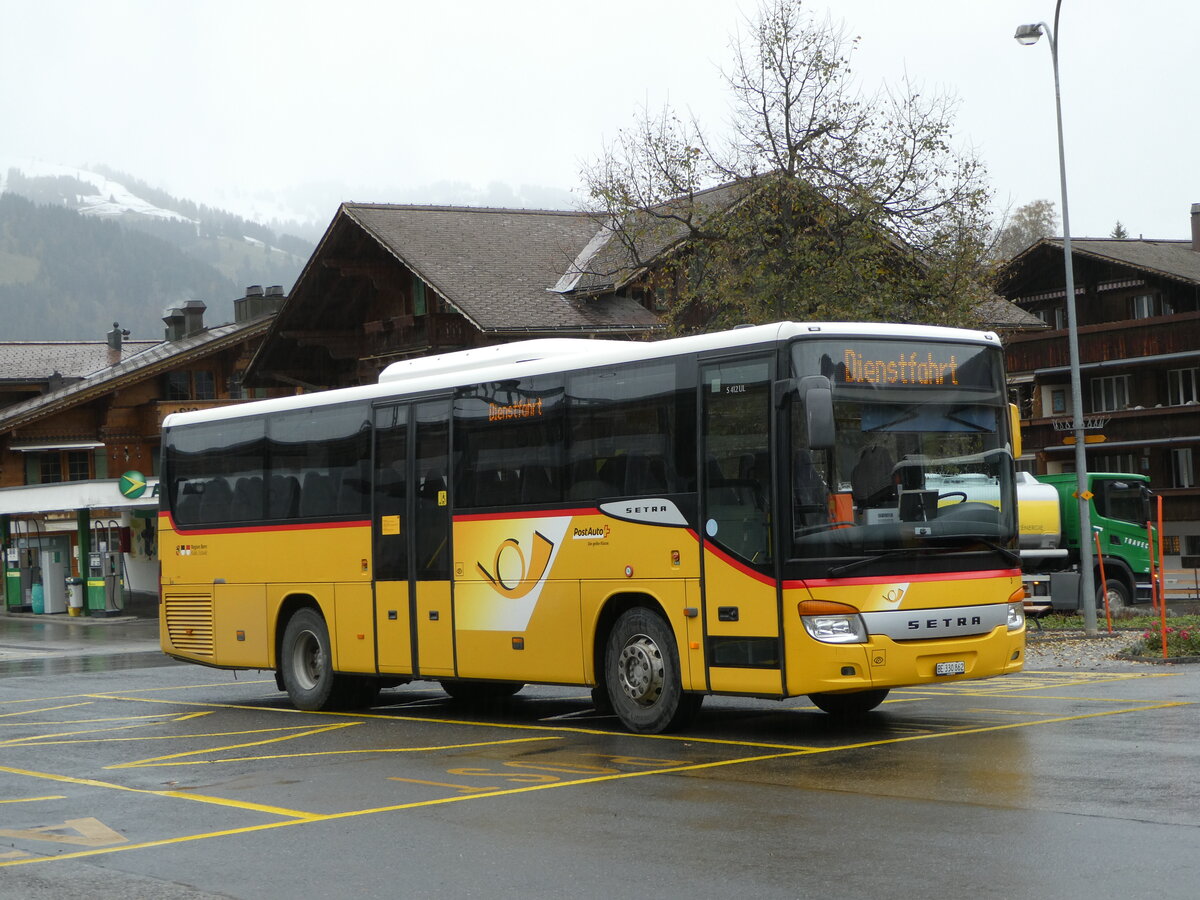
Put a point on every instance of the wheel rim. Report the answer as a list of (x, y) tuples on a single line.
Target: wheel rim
[(308, 660), (641, 670)]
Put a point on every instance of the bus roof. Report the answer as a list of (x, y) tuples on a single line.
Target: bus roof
[(548, 355)]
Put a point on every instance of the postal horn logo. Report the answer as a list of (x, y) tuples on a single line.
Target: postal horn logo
[(514, 576), (132, 484)]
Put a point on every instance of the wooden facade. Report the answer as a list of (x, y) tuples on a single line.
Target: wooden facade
[(1138, 309)]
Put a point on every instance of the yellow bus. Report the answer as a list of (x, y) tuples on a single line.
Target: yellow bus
[(755, 512)]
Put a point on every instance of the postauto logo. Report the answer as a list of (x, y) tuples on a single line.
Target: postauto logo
[(133, 485)]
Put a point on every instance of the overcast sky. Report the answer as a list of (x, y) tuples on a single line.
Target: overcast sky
[(382, 101)]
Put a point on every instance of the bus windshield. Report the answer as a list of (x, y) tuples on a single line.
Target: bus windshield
[(920, 465)]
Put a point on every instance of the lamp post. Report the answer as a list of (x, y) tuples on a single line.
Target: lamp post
[(1027, 35)]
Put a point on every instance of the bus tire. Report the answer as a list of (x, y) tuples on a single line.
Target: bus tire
[(305, 663), (1118, 594), (853, 703), (641, 669)]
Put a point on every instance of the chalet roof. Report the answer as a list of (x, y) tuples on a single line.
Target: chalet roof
[(999, 314), (1175, 260), (34, 361), (496, 266), (616, 256), (158, 358)]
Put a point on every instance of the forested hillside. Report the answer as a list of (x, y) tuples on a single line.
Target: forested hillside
[(64, 276)]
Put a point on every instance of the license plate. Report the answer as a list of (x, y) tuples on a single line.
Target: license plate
[(950, 668)]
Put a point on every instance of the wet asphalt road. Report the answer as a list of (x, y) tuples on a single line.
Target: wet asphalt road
[(124, 775)]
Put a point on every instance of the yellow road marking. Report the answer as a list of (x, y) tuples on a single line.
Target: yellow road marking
[(298, 815), (35, 799), (150, 763), (36, 740), (30, 712), (304, 818), (42, 740), (461, 788), (161, 760), (88, 833)]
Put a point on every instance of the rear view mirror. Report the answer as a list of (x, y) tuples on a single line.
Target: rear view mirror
[(817, 396)]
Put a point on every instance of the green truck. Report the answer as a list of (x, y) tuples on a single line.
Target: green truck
[(1049, 521)]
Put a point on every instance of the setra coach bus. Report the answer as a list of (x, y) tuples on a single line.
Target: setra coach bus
[(755, 512)]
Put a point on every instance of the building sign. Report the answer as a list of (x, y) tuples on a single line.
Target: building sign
[(132, 484)]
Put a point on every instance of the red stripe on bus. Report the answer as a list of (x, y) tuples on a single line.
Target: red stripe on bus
[(964, 575), (257, 529), (528, 514)]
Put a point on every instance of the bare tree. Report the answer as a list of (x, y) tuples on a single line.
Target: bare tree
[(822, 202)]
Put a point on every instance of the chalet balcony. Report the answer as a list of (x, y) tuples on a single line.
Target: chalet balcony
[(407, 335), (1129, 340), (1160, 426)]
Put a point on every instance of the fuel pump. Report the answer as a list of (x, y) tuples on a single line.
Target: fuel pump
[(105, 582), (24, 571)]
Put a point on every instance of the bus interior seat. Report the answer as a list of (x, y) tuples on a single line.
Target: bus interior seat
[(187, 508), (316, 496), (354, 490), (585, 483), (248, 498), (645, 474), (283, 496), (537, 486), (217, 500), (431, 485), (871, 481), (497, 487), (810, 493), (612, 474)]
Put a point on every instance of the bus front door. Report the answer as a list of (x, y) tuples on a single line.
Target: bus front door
[(743, 641), (413, 615)]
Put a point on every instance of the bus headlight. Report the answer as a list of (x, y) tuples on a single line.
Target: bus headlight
[(1016, 616), (832, 623)]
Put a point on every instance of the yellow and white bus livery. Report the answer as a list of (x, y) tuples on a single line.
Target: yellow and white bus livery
[(755, 512)]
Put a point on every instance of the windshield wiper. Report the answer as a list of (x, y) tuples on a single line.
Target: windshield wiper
[(1011, 555), (846, 568)]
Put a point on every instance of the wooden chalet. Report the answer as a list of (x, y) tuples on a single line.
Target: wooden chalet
[(1138, 309)]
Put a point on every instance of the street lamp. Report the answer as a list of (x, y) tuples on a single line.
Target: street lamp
[(1027, 35)]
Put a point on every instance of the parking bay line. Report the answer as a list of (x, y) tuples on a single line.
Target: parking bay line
[(301, 818)]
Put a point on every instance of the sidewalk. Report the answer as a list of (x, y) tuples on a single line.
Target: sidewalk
[(26, 636)]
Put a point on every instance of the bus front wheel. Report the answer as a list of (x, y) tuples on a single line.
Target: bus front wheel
[(854, 703), (641, 668), (305, 663)]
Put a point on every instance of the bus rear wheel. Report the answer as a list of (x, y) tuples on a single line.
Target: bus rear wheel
[(305, 663), (641, 669), (855, 703)]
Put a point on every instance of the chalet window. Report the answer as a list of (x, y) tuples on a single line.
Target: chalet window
[(1183, 471), (61, 465), (190, 386), (1143, 306), (420, 305), (204, 386), (1116, 462), (1182, 386), (1058, 402), (1110, 393), (1054, 316)]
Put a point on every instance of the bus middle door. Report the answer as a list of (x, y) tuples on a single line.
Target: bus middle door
[(414, 618), (743, 640)]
